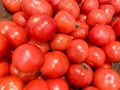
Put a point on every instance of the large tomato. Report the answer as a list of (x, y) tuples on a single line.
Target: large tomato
[(41, 27)]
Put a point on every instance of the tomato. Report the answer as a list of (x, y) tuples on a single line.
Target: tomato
[(106, 65), (96, 56), (88, 5), (57, 84), (25, 76), (109, 10), (117, 28), (11, 82), (82, 17), (71, 6), (99, 35), (4, 67), (44, 46), (80, 74), (96, 16), (16, 36), (12, 5), (90, 88), (106, 79), (65, 21), (60, 41), (5, 25), (55, 64), (36, 84), (19, 18), (103, 1), (114, 21), (112, 51), (30, 58), (3, 45), (31, 7), (41, 27), (77, 50)]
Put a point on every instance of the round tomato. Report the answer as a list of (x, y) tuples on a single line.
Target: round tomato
[(90, 88), (29, 56), (117, 28)]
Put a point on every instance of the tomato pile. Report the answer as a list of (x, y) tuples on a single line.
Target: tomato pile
[(60, 45)]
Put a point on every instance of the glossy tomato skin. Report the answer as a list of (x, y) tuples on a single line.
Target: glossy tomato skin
[(71, 6), (90, 88), (19, 18), (57, 83), (4, 67), (112, 51), (103, 1), (80, 75), (106, 79), (96, 56), (30, 57), (12, 5), (96, 16), (77, 50), (16, 36), (36, 84), (11, 82), (55, 64), (3, 45), (41, 27), (117, 28), (65, 21), (60, 41), (88, 5), (99, 35), (32, 7)]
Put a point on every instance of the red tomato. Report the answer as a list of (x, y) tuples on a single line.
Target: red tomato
[(96, 57), (16, 36), (30, 58), (112, 51), (11, 82), (117, 28), (12, 5), (37, 84), (99, 35), (65, 21), (4, 67), (44, 46), (103, 1), (106, 79), (80, 74), (77, 50), (57, 84), (96, 16), (3, 45), (5, 25), (19, 18), (60, 41), (114, 20), (25, 76), (106, 65), (31, 7), (109, 10), (89, 5), (82, 17), (90, 88), (55, 64), (71, 6), (41, 27)]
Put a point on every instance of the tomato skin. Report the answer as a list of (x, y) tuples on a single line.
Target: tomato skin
[(12, 5), (60, 41), (17, 83), (36, 84), (57, 83), (96, 16), (19, 18), (71, 6), (65, 21), (77, 50), (103, 1), (112, 51), (88, 5), (80, 75), (28, 55), (106, 79), (55, 64), (31, 7), (99, 35), (4, 67), (41, 27), (117, 28), (90, 88)]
